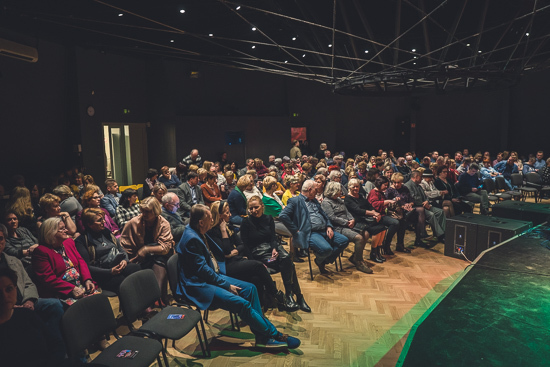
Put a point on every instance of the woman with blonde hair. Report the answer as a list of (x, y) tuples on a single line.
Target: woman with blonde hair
[(21, 204), (51, 208)]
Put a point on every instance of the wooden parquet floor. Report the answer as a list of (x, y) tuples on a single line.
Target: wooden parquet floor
[(357, 320)]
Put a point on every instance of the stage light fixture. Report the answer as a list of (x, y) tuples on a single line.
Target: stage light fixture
[(182, 11), (413, 50), (253, 28)]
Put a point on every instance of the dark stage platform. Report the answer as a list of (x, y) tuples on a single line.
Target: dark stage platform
[(496, 314)]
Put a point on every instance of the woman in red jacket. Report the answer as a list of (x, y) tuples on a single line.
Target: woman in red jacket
[(60, 270)]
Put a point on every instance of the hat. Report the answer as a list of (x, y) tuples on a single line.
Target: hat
[(427, 173)]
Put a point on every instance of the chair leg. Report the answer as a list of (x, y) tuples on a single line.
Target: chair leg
[(309, 261), (340, 260), (158, 361), (205, 316), (206, 346), (165, 358)]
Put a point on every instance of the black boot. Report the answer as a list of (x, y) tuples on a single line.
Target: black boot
[(379, 253), (302, 303), (387, 249), (283, 303), (290, 303), (374, 257)]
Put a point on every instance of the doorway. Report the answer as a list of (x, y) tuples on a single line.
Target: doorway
[(125, 151)]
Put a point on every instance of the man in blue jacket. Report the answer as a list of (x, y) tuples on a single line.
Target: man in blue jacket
[(110, 201), (202, 279), (310, 226)]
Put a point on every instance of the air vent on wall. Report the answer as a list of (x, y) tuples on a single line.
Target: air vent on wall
[(18, 51)]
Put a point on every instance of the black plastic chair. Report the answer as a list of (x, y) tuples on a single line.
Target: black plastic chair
[(534, 181), (88, 320), (489, 186), (517, 182), (173, 271), (139, 291)]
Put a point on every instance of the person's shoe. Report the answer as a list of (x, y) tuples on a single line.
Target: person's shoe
[(296, 259), (419, 243), (290, 303), (361, 266), (291, 341), (302, 303), (400, 247), (283, 303), (387, 250), (270, 343), (321, 267), (374, 257), (379, 254), (301, 253)]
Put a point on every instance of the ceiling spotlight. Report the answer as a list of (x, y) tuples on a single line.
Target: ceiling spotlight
[(182, 11), (479, 52), (330, 45), (467, 45), (238, 7), (413, 50), (294, 38), (304, 55), (172, 41), (120, 14), (414, 63), (211, 35), (253, 28), (254, 46), (286, 61), (414, 57), (366, 51), (527, 34)]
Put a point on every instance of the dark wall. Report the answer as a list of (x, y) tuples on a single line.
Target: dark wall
[(38, 104)]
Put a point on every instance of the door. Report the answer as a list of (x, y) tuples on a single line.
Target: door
[(125, 152)]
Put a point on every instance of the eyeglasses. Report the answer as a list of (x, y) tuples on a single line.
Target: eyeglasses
[(96, 197), (177, 205)]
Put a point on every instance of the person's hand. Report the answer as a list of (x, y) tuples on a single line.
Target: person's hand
[(29, 304), (455, 200), (408, 207), (234, 252), (444, 192), (118, 269), (234, 289), (377, 216), (279, 192), (274, 253), (388, 202), (330, 232), (140, 255), (351, 223), (426, 204), (77, 292), (223, 226), (474, 189), (116, 233), (90, 287)]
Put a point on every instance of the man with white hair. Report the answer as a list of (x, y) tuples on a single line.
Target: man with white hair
[(310, 226), (170, 206)]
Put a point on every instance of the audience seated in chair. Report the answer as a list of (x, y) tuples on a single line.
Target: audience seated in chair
[(106, 259), (310, 226), (111, 200), (68, 203), (128, 207), (150, 181), (51, 209), (170, 206), (20, 242), (202, 279), (210, 190), (189, 193), (239, 263), (452, 204), (469, 187), (148, 240), (168, 179), (91, 199)]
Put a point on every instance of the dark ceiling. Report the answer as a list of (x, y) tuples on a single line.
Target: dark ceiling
[(354, 46)]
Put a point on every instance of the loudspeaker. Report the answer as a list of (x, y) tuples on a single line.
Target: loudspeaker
[(461, 236), (473, 233), (536, 213)]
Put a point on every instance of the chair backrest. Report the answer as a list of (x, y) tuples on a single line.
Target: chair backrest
[(140, 193), (85, 322), (533, 177), (137, 292), (172, 269), (500, 183), (489, 185), (516, 179)]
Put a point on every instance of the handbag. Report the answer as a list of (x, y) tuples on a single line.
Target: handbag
[(113, 258)]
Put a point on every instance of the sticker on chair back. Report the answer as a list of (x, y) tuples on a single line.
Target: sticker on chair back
[(127, 353), (175, 316)]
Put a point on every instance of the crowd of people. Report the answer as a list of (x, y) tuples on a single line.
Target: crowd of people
[(229, 227)]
